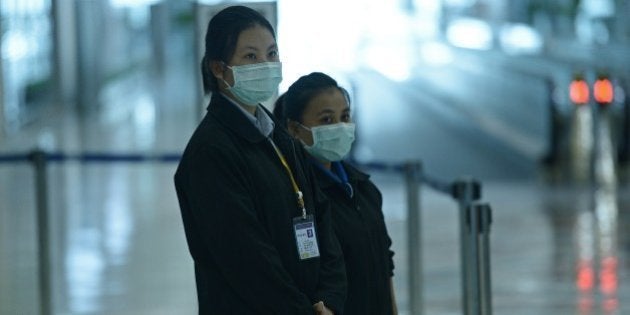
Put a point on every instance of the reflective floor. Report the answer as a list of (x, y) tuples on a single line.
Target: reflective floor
[(117, 242)]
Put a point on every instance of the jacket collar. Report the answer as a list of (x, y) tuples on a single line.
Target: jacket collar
[(354, 175), (233, 119)]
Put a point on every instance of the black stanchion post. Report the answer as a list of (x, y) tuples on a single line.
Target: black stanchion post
[(624, 140), (38, 158), (554, 125), (474, 281), (466, 191), (412, 175), (485, 219), (480, 218)]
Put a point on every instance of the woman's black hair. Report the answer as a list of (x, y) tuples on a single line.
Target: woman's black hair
[(222, 36), (292, 103)]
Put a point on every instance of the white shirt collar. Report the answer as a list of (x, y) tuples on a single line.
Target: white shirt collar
[(261, 119)]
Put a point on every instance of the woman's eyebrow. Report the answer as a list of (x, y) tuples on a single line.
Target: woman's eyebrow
[(249, 48), (245, 49), (325, 111)]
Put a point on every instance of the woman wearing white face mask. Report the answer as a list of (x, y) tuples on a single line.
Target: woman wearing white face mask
[(316, 111), (258, 231)]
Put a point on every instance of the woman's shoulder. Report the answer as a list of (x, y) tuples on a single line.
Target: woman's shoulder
[(354, 172), (366, 185), (211, 140), (210, 131)]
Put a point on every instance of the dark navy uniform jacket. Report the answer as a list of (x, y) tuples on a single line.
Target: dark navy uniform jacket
[(237, 205), (360, 228)]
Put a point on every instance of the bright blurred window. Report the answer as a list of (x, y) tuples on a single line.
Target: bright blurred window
[(26, 56), (436, 53), (520, 39), (470, 33), (598, 8), (375, 34), (132, 3)]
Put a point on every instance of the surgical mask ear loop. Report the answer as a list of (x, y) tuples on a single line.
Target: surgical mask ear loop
[(225, 68), (307, 128)]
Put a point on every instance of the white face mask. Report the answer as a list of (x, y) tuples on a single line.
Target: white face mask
[(255, 83), (331, 142)]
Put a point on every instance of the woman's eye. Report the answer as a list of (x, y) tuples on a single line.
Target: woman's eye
[(273, 54), (326, 120), (345, 118), (250, 56)]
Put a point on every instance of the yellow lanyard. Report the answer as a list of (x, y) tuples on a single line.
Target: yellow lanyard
[(298, 192)]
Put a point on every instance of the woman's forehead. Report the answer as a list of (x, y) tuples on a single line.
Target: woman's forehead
[(329, 100), (255, 37)]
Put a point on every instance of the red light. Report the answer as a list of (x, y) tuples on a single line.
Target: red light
[(578, 91), (608, 275), (585, 276), (603, 91)]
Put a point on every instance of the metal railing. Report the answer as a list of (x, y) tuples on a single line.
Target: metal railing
[(474, 221), (40, 160)]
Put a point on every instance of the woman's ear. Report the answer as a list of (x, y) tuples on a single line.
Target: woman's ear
[(217, 68), (293, 128)]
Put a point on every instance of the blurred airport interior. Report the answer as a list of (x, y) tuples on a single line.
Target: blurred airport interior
[(523, 102)]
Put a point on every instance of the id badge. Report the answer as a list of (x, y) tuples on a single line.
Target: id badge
[(306, 237)]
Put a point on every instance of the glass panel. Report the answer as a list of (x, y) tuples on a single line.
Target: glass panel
[(26, 58)]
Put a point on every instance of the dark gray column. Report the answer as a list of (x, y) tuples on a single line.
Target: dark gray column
[(2, 118), (89, 48), (64, 51), (413, 172), (159, 35)]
